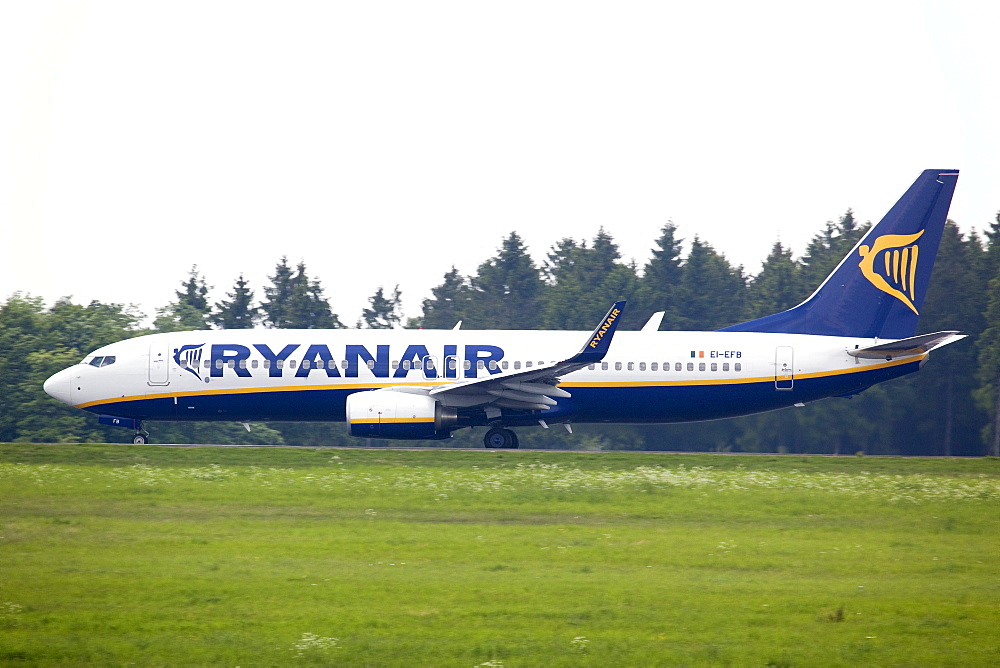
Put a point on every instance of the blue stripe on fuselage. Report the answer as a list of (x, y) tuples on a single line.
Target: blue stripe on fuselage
[(592, 403)]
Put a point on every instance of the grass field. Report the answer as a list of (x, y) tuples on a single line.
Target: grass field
[(275, 556)]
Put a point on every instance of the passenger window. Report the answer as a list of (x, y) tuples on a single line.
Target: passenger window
[(715, 367), (406, 365), (690, 366), (480, 365), (725, 366), (207, 364), (452, 365), (677, 367), (618, 366), (306, 364), (343, 364), (642, 366), (267, 364), (243, 364), (253, 364), (291, 364), (527, 365), (505, 365), (467, 364), (517, 364), (281, 364), (371, 364), (701, 366), (738, 366), (418, 365), (654, 366), (395, 364), (493, 365), (429, 364), (604, 366), (631, 366), (591, 366)]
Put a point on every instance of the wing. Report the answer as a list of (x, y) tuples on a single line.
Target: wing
[(531, 389)]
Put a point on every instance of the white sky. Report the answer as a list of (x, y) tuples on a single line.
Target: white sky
[(382, 142)]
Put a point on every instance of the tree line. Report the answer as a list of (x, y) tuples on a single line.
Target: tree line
[(951, 407)]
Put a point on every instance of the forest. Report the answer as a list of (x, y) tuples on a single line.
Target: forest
[(950, 408)]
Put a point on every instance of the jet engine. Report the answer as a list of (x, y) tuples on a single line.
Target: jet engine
[(398, 413)]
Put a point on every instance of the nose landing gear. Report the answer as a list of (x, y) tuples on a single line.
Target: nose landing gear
[(141, 437)]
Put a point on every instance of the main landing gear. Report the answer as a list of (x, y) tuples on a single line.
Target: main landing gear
[(498, 437)]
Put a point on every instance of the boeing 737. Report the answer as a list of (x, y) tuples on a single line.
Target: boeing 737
[(857, 329)]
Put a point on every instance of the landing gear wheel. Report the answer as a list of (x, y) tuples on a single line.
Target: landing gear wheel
[(140, 439), (500, 438)]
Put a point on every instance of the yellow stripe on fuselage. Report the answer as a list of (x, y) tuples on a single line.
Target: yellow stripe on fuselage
[(379, 385)]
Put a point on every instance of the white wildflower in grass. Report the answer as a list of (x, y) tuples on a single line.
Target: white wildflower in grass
[(9, 613), (579, 644), (8, 609), (556, 481), (490, 664), (312, 643)]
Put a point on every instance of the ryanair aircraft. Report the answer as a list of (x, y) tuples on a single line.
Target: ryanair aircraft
[(857, 329)]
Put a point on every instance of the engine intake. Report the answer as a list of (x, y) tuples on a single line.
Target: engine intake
[(394, 414)]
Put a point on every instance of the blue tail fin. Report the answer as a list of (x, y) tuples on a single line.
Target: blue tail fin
[(878, 289)]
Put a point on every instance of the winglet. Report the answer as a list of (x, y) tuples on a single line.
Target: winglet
[(597, 345)]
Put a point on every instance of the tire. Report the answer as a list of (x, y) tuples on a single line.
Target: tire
[(514, 445), (140, 439), (497, 438)]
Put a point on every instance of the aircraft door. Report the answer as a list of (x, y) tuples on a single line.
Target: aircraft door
[(159, 356), (784, 370)]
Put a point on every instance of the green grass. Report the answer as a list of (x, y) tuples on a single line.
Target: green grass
[(224, 556)]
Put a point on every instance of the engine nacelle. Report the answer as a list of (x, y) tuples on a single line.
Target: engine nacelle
[(395, 414)]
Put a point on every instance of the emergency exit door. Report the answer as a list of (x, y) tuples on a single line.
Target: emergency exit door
[(159, 371), (784, 369)]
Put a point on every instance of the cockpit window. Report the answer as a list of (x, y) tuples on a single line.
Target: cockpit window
[(96, 361), (108, 361), (101, 360)]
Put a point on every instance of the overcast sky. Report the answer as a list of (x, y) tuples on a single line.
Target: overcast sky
[(383, 142)]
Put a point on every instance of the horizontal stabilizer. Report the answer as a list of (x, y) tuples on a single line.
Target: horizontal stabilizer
[(915, 345)]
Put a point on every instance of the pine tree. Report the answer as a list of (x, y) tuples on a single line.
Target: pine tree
[(660, 285), (829, 247), (190, 309), (584, 281), (507, 289), (238, 312), (713, 292), (778, 286), (384, 312), (296, 302), (956, 299), (450, 303), (988, 359)]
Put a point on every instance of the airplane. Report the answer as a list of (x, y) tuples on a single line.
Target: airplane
[(857, 329)]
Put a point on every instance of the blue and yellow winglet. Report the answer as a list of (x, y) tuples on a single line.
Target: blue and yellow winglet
[(597, 345)]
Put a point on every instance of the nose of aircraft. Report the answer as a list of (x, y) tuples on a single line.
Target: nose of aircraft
[(58, 386)]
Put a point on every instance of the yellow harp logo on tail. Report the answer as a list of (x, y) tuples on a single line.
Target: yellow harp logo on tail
[(899, 255)]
